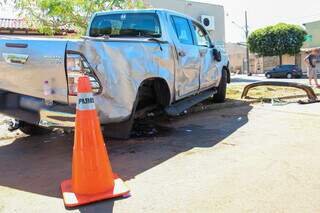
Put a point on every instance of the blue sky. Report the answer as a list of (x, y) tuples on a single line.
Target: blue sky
[(261, 13)]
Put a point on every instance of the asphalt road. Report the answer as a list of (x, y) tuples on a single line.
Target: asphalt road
[(245, 159)]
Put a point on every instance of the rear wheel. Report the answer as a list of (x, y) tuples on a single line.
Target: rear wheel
[(220, 97), (289, 75), (152, 93), (32, 129)]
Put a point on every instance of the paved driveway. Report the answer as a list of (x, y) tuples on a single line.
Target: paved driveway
[(247, 159)]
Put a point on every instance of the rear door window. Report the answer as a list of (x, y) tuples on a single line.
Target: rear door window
[(278, 68), (286, 67), (182, 29), (126, 25)]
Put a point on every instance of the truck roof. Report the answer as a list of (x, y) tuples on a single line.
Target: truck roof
[(144, 11)]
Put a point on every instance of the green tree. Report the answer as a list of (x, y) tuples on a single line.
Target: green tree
[(277, 40), (50, 16)]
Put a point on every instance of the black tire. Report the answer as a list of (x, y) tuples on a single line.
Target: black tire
[(32, 129), (289, 76), (220, 97), (268, 76)]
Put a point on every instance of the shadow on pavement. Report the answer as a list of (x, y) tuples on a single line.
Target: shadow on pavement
[(39, 164)]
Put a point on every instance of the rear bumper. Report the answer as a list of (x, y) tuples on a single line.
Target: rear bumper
[(35, 111), (54, 118)]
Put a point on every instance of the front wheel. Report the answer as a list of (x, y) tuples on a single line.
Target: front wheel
[(32, 129), (289, 76), (220, 96), (268, 75)]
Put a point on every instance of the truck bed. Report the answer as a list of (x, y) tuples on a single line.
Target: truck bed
[(26, 63)]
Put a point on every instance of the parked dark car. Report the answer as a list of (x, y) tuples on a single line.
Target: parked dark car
[(285, 71)]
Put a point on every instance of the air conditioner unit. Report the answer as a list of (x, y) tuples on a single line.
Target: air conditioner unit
[(208, 22)]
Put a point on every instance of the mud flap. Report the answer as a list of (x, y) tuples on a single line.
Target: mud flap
[(119, 130), (122, 130)]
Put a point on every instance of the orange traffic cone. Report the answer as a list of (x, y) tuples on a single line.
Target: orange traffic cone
[(92, 176)]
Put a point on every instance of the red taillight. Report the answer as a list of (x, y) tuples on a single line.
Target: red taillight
[(77, 66), (73, 83)]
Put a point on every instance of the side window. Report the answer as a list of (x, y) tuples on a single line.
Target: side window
[(202, 36), (183, 30)]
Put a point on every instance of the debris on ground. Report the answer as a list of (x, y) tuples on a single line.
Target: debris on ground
[(148, 128), (308, 90), (4, 133)]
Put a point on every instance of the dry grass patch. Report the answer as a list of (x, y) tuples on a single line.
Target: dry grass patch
[(235, 91)]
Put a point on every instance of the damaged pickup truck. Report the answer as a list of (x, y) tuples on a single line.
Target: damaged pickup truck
[(136, 60)]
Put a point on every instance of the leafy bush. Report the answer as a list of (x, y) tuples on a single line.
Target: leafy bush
[(277, 40)]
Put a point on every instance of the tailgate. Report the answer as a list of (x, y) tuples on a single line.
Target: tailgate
[(25, 64)]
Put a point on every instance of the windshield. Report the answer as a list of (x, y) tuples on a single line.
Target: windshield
[(126, 25)]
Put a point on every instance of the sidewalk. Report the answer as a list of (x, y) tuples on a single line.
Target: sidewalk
[(244, 79)]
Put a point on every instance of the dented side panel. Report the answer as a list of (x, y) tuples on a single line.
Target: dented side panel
[(121, 67)]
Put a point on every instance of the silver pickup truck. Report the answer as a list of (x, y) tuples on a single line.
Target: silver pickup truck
[(137, 60)]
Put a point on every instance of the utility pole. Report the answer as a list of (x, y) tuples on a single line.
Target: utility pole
[(246, 31), (247, 35)]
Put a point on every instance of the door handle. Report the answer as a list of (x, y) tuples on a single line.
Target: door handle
[(182, 54), (15, 58), (14, 45)]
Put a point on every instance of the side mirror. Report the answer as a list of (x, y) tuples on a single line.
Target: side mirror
[(216, 55)]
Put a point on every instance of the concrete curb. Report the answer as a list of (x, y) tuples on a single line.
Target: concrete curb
[(234, 103), (298, 96)]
